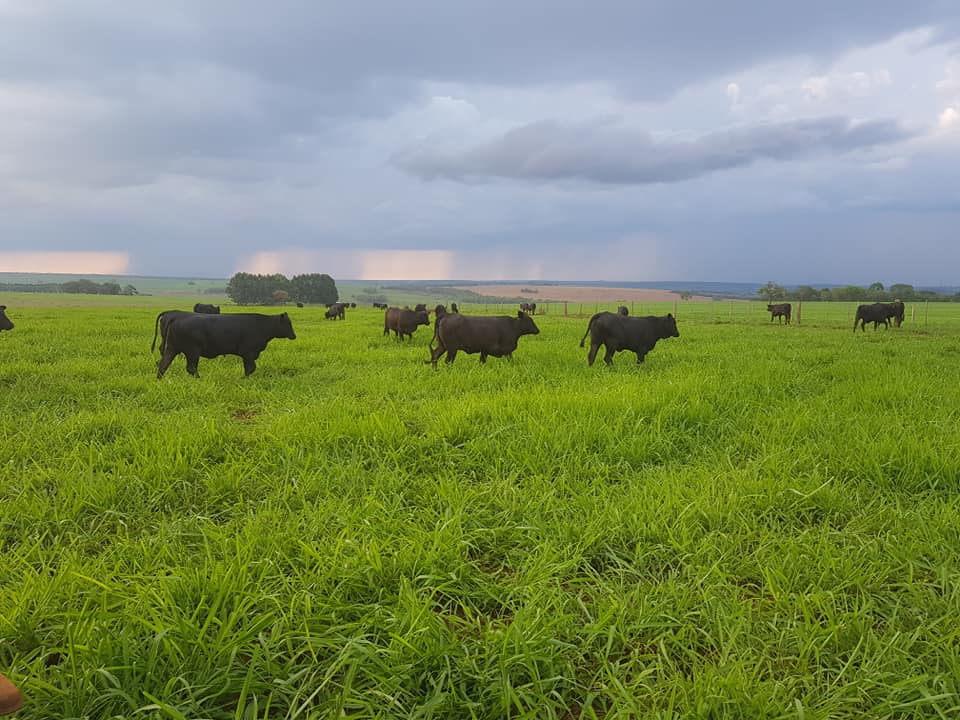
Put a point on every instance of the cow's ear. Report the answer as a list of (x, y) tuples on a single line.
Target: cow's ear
[(2, 308), (669, 315)]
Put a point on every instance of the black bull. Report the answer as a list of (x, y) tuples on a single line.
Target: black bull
[(496, 336), (243, 334), (617, 332)]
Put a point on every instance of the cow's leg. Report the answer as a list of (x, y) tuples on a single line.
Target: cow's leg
[(608, 356), (435, 355), (164, 364), (592, 354), (249, 365), (193, 360), (451, 355), (483, 356), (641, 354)]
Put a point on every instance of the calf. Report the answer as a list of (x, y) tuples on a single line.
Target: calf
[(781, 311), (210, 336), (336, 311), (495, 336), (404, 322), (637, 334), (5, 323), (207, 309)]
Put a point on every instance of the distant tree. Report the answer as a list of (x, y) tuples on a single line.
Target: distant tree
[(805, 292), (771, 291), (317, 288), (89, 287), (903, 291), (280, 296), (876, 287), (128, 290), (826, 294)]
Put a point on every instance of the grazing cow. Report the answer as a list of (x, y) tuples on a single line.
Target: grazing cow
[(206, 309), (781, 311), (404, 322), (161, 323), (353, 305), (336, 311), (454, 308), (528, 307), (299, 304), (210, 336), (495, 336), (623, 310), (5, 323), (876, 313), (637, 334)]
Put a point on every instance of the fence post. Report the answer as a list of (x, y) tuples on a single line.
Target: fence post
[(731, 311), (799, 310), (564, 308), (675, 313), (632, 311), (926, 310), (913, 312)]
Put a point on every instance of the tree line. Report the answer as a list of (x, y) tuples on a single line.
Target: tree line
[(76, 287), (876, 292), (250, 289)]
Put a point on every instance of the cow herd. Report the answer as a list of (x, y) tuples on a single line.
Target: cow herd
[(208, 333)]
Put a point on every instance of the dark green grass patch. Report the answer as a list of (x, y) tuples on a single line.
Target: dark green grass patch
[(756, 522)]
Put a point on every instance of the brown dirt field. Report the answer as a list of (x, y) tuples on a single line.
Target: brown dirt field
[(580, 293)]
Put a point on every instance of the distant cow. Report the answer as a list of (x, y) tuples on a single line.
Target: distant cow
[(528, 307), (420, 307), (353, 305), (206, 309), (299, 304), (243, 334), (380, 306), (637, 334), (496, 336), (876, 313), (781, 311), (454, 308), (404, 322), (336, 311), (623, 310), (5, 323), (160, 326)]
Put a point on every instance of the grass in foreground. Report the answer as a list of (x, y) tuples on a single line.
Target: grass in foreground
[(758, 522)]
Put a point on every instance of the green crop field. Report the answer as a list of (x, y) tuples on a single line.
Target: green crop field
[(758, 522)]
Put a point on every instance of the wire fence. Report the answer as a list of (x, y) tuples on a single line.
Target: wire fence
[(918, 316)]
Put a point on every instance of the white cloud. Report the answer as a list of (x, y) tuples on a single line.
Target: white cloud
[(86, 263), (949, 120)]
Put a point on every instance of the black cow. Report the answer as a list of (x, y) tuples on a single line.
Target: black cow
[(337, 310), (895, 310), (439, 311), (637, 334), (353, 305), (162, 322), (454, 308), (299, 304), (206, 309), (420, 307), (781, 311), (528, 307), (495, 336), (210, 336), (404, 322), (623, 310), (5, 323), (876, 313)]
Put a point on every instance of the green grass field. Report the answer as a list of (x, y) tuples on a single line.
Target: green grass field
[(759, 522)]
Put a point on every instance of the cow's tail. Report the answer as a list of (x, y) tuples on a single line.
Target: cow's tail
[(156, 329), (589, 325)]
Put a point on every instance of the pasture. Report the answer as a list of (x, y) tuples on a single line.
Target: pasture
[(759, 521)]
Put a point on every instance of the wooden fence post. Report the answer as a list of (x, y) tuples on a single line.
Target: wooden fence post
[(799, 311), (913, 312), (926, 310), (564, 308), (731, 311), (675, 313)]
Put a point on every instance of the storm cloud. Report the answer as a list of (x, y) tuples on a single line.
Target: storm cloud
[(604, 154), (201, 138)]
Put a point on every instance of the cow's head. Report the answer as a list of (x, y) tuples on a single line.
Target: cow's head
[(525, 324), (670, 326), (285, 328), (422, 317)]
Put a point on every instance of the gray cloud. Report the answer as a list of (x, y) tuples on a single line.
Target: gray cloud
[(605, 154)]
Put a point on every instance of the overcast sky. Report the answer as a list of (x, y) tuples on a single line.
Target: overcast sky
[(744, 140)]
